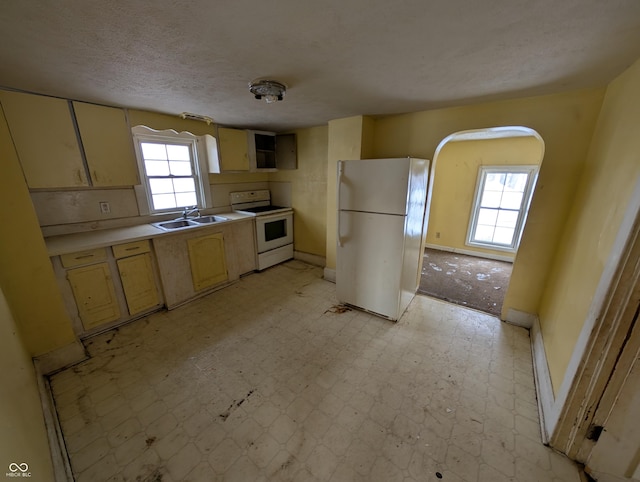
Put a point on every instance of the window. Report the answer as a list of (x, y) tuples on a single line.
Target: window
[(171, 175), (501, 203)]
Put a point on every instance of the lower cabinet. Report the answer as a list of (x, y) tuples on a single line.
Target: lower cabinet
[(194, 262), (207, 260), (94, 294), (103, 286), (138, 283)]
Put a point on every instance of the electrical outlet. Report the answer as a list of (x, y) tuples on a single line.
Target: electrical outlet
[(437, 234), (105, 208)]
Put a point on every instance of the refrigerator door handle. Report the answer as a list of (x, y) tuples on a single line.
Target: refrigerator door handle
[(340, 173)]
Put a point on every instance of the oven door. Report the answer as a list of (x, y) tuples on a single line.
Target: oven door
[(274, 231)]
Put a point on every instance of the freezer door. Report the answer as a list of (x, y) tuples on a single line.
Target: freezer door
[(369, 261), (374, 185)]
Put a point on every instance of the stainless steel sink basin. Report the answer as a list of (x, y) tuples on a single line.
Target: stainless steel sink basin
[(189, 223), (169, 225), (208, 219)]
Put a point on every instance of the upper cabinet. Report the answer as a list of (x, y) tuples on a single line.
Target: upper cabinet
[(271, 152), (107, 144), (45, 138), (70, 145), (233, 151), (238, 150)]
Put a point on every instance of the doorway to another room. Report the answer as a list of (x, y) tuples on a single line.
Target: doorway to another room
[(482, 185), (470, 281)]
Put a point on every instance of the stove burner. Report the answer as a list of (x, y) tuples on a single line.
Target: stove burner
[(262, 209)]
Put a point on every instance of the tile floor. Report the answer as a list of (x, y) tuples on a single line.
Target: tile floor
[(266, 380)]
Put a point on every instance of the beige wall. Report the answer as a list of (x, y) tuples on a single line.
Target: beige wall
[(564, 121), (26, 274), (308, 190), (349, 138), (23, 437), (609, 176), (456, 173)]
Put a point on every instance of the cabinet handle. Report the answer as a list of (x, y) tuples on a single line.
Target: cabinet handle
[(95, 176), (84, 256), (132, 249)]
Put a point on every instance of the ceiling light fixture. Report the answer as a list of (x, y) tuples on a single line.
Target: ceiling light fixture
[(269, 90)]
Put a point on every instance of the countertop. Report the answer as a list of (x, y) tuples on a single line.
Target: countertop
[(71, 243)]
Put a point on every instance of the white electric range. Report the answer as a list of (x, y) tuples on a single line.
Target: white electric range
[(274, 225)]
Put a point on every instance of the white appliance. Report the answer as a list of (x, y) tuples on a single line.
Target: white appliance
[(381, 228), (274, 225)]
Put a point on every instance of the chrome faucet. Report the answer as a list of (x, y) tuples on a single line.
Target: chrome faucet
[(190, 211)]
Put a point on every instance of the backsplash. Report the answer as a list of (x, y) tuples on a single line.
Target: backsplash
[(58, 210)]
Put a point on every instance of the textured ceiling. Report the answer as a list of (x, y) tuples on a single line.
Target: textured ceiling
[(338, 57)]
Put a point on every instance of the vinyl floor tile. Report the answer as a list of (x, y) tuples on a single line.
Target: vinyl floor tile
[(269, 380)]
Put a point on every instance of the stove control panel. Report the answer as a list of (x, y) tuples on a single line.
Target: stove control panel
[(242, 197)]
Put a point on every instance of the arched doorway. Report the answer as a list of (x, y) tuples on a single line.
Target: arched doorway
[(482, 184)]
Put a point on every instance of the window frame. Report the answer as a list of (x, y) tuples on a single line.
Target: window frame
[(200, 175), (483, 171)]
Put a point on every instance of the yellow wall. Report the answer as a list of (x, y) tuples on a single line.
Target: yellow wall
[(457, 166), (609, 176), (26, 273), (23, 437), (349, 138), (564, 121), (308, 190)]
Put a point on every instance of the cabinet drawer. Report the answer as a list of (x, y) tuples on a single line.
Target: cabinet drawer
[(129, 249), (83, 257)]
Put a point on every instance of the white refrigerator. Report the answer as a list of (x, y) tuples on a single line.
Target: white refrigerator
[(381, 227)]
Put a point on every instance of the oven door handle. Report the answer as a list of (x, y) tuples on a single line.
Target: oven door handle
[(339, 182)]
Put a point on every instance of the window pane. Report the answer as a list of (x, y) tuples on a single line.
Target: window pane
[(487, 216), (491, 199), (164, 201), (511, 200), (153, 151), (180, 168), (507, 219), (516, 182), (483, 233), (184, 184), (161, 186), (494, 181), (156, 168), (503, 236), (178, 153), (186, 199)]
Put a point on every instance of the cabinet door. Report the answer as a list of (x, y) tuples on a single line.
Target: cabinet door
[(107, 144), (234, 149), (138, 283), (45, 138), (94, 294), (286, 151), (208, 266)]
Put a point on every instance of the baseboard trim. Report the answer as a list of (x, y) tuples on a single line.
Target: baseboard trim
[(330, 274), (61, 358), (497, 257), (59, 457), (313, 259), (520, 318), (542, 378)]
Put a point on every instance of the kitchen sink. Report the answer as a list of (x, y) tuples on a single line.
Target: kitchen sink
[(189, 223), (208, 219), (169, 225)]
